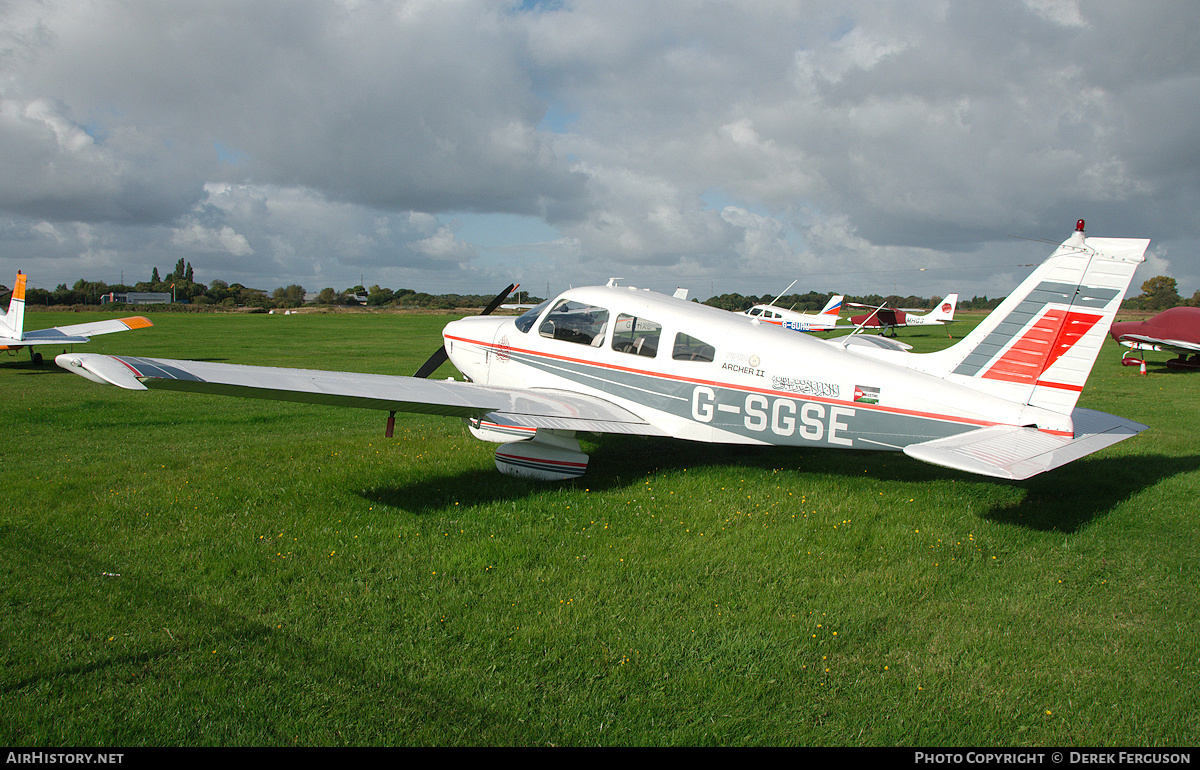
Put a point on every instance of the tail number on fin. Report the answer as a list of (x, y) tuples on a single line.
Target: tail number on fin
[(782, 417)]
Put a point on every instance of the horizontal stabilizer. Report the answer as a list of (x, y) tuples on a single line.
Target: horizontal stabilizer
[(1012, 452)]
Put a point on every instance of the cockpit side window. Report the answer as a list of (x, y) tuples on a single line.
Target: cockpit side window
[(636, 335), (576, 322), (689, 348), (527, 319)]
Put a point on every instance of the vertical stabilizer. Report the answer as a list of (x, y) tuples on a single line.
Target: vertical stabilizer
[(945, 309), (14, 320), (1039, 345), (833, 307)]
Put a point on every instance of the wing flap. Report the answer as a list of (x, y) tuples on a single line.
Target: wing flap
[(44, 337), (530, 408), (1013, 452)]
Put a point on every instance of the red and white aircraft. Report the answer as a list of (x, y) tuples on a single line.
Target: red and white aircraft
[(14, 337), (885, 318), (802, 322), (1176, 330), (609, 359)]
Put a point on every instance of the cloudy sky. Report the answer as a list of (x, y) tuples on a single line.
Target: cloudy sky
[(916, 147)]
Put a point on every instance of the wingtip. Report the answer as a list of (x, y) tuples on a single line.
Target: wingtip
[(106, 370)]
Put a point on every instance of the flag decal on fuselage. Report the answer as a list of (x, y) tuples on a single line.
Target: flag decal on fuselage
[(866, 394)]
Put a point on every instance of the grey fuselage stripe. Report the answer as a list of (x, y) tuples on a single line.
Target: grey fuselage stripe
[(1028, 309), (758, 413)]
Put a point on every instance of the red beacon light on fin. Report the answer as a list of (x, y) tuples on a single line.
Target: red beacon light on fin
[(1079, 226)]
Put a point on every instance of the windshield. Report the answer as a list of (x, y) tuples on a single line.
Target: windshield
[(526, 320)]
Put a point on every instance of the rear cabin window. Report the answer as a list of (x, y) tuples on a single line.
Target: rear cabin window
[(638, 336), (688, 348), (577, 322)]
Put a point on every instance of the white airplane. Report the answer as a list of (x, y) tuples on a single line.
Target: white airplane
[(1000, 402), (801, 322), (885, 318), (14, 337)]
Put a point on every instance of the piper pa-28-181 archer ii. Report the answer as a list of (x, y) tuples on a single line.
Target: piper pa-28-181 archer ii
[(801, 322), (608, 359), (885, 318), (14, 337)]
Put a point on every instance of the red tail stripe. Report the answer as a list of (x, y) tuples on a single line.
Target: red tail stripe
[(1047, 340)]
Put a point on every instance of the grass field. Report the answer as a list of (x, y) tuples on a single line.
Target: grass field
[(200, 571)]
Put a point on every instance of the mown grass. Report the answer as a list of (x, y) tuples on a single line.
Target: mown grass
[(191, 570)]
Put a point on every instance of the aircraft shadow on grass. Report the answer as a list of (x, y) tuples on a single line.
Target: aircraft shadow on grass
[(1064, 500)]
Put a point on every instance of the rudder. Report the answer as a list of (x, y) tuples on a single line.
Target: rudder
[(1039, 345), (834, 306), (14, 319)]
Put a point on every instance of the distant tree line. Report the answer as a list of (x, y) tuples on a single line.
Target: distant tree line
[(379, 296), (182, 286), (1158, 293), (813, 302)]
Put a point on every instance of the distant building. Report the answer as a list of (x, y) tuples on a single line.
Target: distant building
[(137, 297)]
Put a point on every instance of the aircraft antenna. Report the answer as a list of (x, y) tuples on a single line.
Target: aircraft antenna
[(785, 291)]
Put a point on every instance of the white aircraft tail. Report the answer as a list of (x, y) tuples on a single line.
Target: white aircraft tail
[(945, 309), (833, 307), (1039, 345), (13, 323)]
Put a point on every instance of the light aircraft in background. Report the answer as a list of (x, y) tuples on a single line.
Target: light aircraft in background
[(615, 359), (802, 322), (14, 337), (1176, 330), (885, 318), (517, 305)]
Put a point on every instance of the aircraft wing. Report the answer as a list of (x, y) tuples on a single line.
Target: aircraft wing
[(78, 333), (55, 339), (1013, 452), (534, 408), (1175, 346)]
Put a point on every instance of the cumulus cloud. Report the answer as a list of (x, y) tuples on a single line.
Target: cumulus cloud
[(197, 238), (320, 140)]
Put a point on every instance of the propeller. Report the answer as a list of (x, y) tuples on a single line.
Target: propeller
[(439, 356)]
